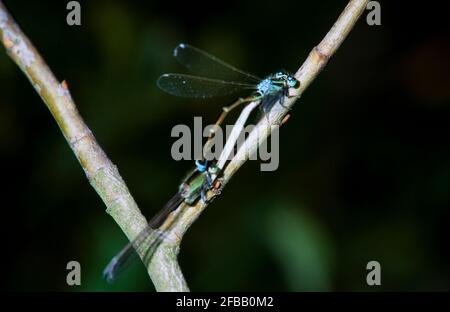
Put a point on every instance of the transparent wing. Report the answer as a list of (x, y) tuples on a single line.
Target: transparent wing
[(149, 239), (204, 64), (146, 242), (199, 87)]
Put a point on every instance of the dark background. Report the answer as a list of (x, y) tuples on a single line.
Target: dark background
[(364, 171)]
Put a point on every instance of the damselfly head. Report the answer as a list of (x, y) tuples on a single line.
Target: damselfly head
[(281, 75), (293, 82), (287, 80), (213, 169)]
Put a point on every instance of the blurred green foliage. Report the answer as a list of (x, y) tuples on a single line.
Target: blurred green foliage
[(364, 171)]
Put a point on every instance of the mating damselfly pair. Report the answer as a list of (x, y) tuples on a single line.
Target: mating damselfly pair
[(216, 78)]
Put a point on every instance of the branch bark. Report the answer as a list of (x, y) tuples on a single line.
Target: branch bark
[(100, 171), (103, 174)]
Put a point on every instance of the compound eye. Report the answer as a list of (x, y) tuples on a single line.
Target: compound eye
[(213, 169), (184, 189), (294, 83)]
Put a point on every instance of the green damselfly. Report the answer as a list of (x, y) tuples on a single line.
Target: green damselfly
[(193, 187)]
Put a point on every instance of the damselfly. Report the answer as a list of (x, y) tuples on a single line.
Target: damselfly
[(224, 79), (194, 186), (218, 78)]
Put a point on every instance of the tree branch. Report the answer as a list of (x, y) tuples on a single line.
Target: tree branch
[(100, 171), (103, 174)]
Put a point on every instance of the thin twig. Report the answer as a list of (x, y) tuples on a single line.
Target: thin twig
[(313, 65)]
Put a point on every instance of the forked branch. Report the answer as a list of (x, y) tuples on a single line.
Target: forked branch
[(103, 174)]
